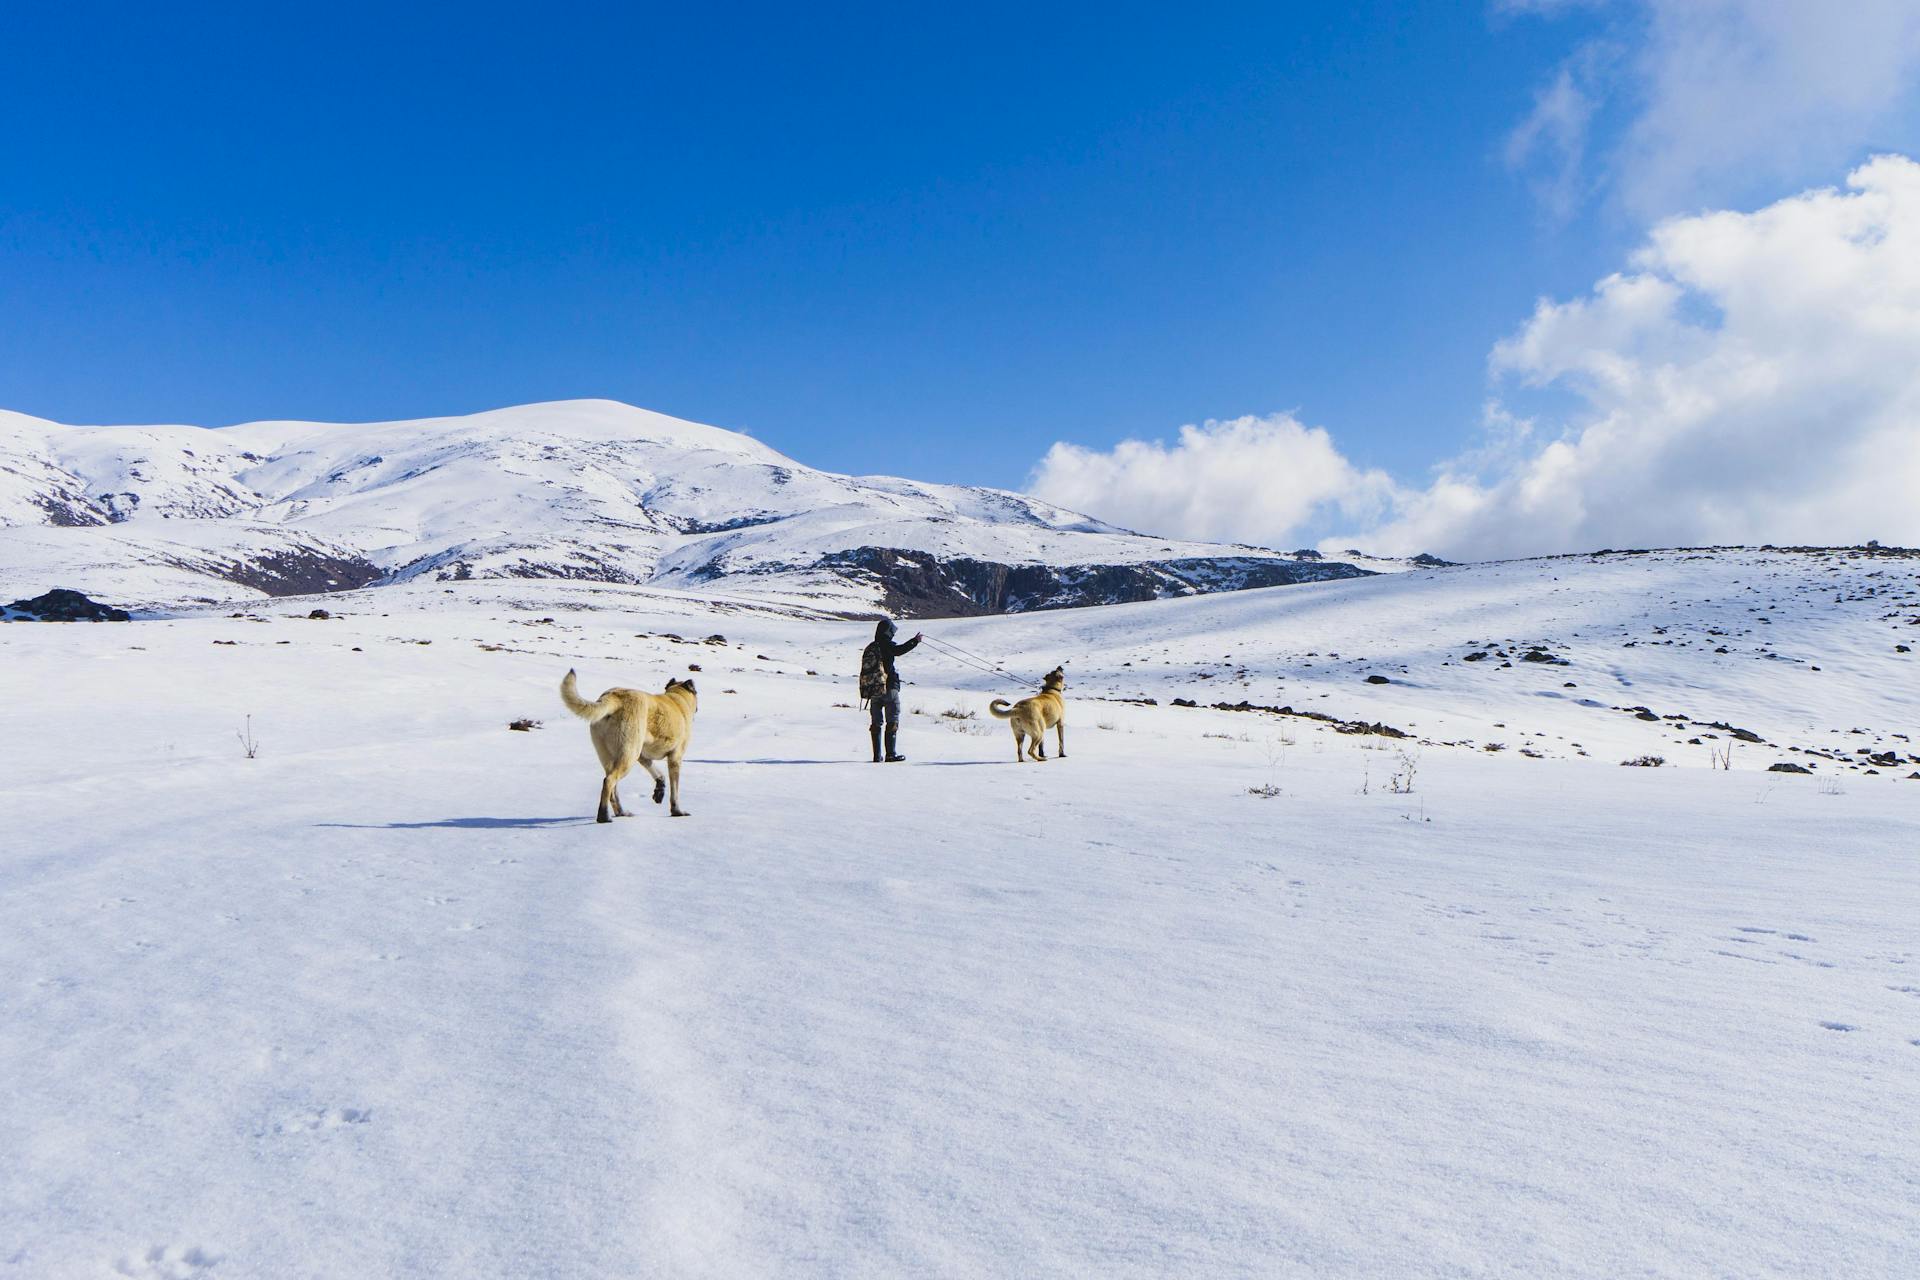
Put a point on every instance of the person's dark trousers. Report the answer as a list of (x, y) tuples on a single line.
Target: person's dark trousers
[(885, 713)]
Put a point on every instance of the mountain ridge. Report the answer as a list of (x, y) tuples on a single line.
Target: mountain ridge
[(585, 489)]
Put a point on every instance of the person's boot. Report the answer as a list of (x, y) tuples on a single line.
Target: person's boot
[(893, 757), (874, 733)]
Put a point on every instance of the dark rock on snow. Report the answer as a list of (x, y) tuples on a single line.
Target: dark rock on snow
[(62, 605), (917, 584)]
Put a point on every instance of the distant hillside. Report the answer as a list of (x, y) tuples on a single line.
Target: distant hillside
[(586, 489)]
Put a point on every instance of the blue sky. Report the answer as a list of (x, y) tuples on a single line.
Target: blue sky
[(884, 240), (943, 242)]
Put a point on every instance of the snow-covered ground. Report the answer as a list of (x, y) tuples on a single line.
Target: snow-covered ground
[(1208, 997)]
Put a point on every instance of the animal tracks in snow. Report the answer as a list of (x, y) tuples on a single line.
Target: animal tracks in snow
[(1759, 935), (1754, 928), (317, 1120), (168, 1262)]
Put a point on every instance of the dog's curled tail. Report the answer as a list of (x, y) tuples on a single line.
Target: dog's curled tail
[(1001, 708), (588, 711)]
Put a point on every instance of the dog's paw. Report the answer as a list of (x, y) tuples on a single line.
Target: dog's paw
[(659, 792), (681, 813)]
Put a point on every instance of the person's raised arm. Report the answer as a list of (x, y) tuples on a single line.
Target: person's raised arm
[(902, 648)]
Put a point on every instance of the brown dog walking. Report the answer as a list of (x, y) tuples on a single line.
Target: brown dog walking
[(630, 727), (1032, 717)]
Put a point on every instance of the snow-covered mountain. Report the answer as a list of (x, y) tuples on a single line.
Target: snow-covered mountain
[(585, 489)]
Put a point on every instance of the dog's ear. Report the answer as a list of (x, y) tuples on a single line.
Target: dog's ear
[(688, 686)]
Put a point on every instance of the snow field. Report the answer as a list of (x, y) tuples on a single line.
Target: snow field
[(385, 1001)]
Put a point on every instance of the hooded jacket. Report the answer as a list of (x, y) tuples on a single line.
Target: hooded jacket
[(883, 633)]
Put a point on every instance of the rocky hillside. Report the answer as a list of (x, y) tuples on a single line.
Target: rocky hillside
[(589, 489)]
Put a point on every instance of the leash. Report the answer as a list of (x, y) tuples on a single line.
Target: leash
[(986, 666)]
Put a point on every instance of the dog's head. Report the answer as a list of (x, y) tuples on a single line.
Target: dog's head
[(693, 695), (1056, 681)]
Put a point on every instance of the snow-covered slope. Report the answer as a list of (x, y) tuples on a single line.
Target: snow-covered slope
[(576, 489), (1222, 993)]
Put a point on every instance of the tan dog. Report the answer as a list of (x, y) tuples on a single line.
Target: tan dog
[(1032, 717), (630, 727)]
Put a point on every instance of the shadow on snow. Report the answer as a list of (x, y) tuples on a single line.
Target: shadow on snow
[(460, 824)]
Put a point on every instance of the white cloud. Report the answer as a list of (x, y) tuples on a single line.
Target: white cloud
[(1721, 98), (1551, 143), (1751, 377), (1245, 480)]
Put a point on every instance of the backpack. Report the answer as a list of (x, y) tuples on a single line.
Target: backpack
[(873, 673)]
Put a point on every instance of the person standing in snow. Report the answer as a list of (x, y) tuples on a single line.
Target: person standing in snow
[(880, 686)]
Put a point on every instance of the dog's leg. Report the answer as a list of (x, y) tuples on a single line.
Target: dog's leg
[(619, 810), (606, 797), (659, 782), (1061, 728), (1019, 747), (673, 779), (619, 771)]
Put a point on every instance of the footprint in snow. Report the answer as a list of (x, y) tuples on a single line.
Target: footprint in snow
[(168, 1262), (318, 1119)]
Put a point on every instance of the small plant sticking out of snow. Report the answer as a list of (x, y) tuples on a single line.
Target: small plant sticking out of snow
[(1407, 764), (1832, 787), (524, 726), (960, 713), (248, 743), (1266, 791), (1643, 762), (1722, 756), (1108, 725)]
